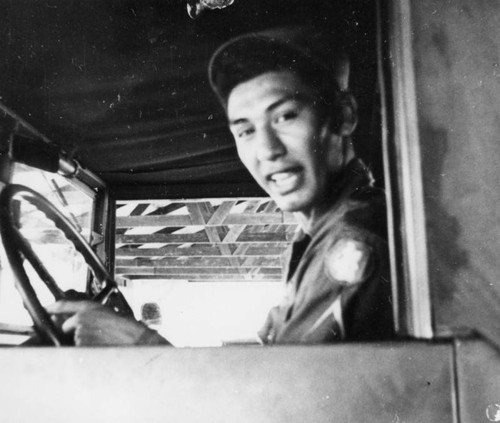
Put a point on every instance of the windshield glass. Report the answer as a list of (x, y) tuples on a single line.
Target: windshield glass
[(49, 243)]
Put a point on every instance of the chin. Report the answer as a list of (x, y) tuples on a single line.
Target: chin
[(291, 204)]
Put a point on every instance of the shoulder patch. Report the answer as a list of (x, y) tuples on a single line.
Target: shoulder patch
[(349, 261)]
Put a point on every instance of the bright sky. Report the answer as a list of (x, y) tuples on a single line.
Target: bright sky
[(206, 313)]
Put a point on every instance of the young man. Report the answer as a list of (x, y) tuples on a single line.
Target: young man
[(292, 118), (286, 99)]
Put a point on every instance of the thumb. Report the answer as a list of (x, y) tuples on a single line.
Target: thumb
[(70, 307)]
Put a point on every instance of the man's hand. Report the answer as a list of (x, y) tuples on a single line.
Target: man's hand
[(95, 324), (267, 332)]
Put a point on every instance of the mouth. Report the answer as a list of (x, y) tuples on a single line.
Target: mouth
[(285, 180)]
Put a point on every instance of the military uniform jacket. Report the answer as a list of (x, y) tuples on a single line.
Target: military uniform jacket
[(337, 277)]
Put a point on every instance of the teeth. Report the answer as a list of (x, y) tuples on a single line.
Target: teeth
[(279, 177)]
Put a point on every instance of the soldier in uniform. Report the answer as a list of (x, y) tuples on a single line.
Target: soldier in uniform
[(289, 109)]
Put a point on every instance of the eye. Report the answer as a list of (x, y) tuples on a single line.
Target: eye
[(286, 114), (242, 132), (290, 115)]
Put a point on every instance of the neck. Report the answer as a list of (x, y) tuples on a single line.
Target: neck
[(308, 218)]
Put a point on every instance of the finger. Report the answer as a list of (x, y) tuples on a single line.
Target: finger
[(85, 337), (70, 324), (82, 335), (69, 307), (78, 337), (265, 331)]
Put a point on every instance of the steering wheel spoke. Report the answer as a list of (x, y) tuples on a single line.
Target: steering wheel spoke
[(19, 250)]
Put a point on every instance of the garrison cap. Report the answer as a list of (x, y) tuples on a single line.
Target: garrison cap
[(316, 57)]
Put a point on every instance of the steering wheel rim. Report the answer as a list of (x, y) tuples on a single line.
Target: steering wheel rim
[(18, 250)]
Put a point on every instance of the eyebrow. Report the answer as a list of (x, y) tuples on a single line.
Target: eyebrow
[(271, 107)]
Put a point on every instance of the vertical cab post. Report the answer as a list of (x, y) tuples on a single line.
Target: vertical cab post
[(403, 171)]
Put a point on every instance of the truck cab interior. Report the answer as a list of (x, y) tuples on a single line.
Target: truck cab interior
[(121, 182)]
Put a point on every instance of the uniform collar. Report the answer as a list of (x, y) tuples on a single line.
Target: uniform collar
[(353, 177)]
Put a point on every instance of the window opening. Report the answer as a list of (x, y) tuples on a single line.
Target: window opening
[(211, 267), (49, 243)]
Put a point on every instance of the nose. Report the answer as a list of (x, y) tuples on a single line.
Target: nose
[(270, 146)]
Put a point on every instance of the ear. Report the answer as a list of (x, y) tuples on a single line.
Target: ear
[(348, 111), (334, 147)]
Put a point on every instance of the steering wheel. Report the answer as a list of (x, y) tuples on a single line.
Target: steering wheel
[(18, 249)]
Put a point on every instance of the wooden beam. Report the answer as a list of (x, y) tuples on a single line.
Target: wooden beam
[(203, 211), (219, 218), (220, 215), (202, 250), (166, 221), (188, 261), (257, 261), (195, 214), (204, 271), (200, 278), (236, 230), (242, 248), (215, 234), (233, 243), (198, 237)]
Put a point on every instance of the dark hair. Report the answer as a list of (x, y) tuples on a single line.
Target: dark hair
[(322, 66)]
